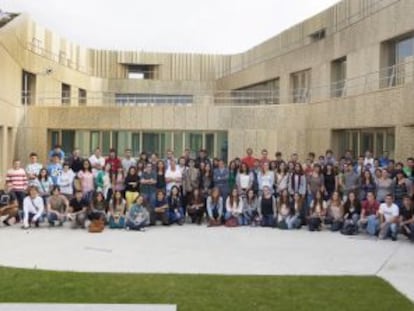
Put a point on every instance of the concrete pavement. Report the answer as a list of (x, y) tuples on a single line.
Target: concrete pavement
[(197, 249)]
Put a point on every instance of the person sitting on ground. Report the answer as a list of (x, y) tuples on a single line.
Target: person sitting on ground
[(160, 210), (250, 215), (317, 212), (298, 212), (234, 209), (117, 210), (284, 211), (98, 207), (267, 208), (137, 217), (335, 212), (352, 213), (407, 218), (78, 208), (215, 208), (389, 217), (9, 206), (176, 213), (196, 207), (57, 207), (369, 214), (33, 207)]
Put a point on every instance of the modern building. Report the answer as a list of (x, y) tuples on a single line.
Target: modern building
[(343, 79)]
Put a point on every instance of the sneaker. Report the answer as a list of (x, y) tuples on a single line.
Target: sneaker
[(6, 223), (127, 228), (394, 238), (142, 229)]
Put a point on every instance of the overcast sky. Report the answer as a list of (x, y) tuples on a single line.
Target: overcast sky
[(209, 26)]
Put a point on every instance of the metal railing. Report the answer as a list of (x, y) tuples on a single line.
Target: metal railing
[(387, 77)]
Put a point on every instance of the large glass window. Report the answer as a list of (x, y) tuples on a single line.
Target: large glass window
[(300, 86), (266, 92), (87, 141), (376, 140), (135, 143), (95, 141), (65, 94), (142, 72), (68, 141), (338, 77), (397, 57)]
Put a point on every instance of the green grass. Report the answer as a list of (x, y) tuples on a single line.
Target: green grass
[(204, 292)]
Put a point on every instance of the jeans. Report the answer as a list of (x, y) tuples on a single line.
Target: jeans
[(405, 231), (52, 218), (133, 225), (371, 225), (294, 222), (176, 217), (388, 229), (268, 221)]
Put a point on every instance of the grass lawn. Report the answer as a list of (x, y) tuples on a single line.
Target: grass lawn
[(204, 292)]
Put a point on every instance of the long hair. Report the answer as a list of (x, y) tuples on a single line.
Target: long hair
[(231, 197), (216, 197), (348, 203), (317, 201)]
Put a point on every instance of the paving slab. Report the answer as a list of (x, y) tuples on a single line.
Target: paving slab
[(219, 250)]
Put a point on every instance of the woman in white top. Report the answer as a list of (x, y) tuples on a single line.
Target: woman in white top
[(244, 179), (282, 178), (266, 178), (65, 181), (234, 207), (33, 207)]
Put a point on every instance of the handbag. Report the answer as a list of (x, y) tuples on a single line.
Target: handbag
[(96, 226), (232, 222)]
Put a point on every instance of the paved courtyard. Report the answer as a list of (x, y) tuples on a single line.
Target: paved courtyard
[(194, 249)]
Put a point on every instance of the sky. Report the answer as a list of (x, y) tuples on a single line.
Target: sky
[(208, 26)]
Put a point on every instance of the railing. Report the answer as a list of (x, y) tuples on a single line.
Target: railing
[(387, 77)]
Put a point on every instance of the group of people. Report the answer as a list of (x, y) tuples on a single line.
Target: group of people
[(367, 194)]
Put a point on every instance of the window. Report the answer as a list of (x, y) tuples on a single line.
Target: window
[(28, 88), (68, 141), (135, 143), (300, 86), (142, 72), (82, 95), (376, 140), (154, 142), (338, 77), (318, 35), (94, 141), (65, 94), (266, 92), (87, 141), (397, 57)]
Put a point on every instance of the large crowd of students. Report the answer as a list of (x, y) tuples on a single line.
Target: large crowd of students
[(353, 196)]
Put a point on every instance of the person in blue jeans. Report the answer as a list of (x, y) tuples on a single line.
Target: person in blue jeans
[(176, 211), (267, 208), (389, 217), (215, 208), (369, 215), (407, 218), (137, 217)]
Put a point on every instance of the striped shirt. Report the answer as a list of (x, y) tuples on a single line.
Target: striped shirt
[(17, 178)]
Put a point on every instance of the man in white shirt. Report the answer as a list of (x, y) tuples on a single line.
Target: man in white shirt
[(128, 161), (33, 208), (33, 169), (389, 215), (97, 160)]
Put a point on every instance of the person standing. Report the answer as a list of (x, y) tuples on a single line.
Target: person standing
[(16, 177)]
